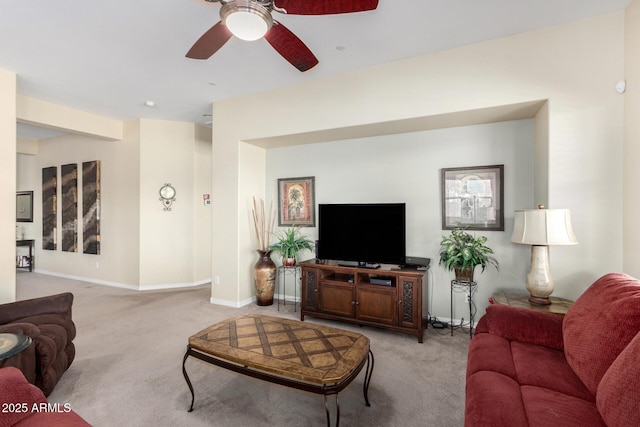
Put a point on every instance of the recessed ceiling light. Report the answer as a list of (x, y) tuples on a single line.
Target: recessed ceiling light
[(149, 104)]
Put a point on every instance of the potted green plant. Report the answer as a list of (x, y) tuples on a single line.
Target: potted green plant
[(461, 252), (290, 242)]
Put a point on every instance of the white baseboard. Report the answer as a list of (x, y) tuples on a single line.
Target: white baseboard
[(232, 304), (124, 285), (287, 298), (251, 300)]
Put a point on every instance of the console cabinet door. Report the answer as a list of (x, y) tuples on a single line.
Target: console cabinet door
[(377, 304), (309, 289), (409, 296), (337, 299)]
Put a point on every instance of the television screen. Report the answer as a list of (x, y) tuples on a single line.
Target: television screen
[(365, 233)]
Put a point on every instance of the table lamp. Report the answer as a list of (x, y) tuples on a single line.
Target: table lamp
[(542, 228)]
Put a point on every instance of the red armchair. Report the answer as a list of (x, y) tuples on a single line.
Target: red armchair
[(527, 368)]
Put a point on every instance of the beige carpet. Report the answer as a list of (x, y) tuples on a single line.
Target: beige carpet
[(129, 351)]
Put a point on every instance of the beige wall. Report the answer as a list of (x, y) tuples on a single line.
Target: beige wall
[(202, 213), (118, 260), (574, 67), (58, 117), (142, 246), (631, 225), (406, 168), (251, 183), (166, 237), (7, 190)]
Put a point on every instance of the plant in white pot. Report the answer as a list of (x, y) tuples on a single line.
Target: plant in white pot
[(290, 242), (462, 252)]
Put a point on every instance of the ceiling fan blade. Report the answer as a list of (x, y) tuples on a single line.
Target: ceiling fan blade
[(291, 47), (325, 7), (210, 42)]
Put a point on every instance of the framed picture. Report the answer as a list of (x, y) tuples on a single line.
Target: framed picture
[(24, 206), (296, 202), (473, 198)]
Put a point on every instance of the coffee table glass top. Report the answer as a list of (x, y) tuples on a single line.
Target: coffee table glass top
[(12, 344), (312, 353)]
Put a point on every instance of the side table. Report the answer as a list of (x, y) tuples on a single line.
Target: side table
[(470, 289), (283, 272), (12, 344), (521, 300), (30, 243)]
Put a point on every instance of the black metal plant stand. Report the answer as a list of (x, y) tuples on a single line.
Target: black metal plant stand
[(470, 289)]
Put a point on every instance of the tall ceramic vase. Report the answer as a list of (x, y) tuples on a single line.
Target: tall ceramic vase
[(264, 274)]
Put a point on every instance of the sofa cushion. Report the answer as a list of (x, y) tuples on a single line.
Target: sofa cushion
[(547, 408), (600, 324), (496, 357), (57, 333), (494, 400), (619, 390), (547, 368), (63, 320)]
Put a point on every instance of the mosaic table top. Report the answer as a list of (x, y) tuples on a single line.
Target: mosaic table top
[(290, 348)]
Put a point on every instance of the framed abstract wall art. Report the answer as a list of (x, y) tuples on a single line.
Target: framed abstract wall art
[(91, 207), (69, 176), (49, 208)]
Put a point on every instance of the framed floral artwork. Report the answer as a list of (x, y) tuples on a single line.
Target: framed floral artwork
[(296, 202)]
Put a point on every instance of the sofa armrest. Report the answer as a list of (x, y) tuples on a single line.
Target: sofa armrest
[(21, 328), (519, 324), (16, 391), (58, 304), (25, 405)]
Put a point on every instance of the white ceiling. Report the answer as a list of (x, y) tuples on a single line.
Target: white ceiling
[(109, 57)]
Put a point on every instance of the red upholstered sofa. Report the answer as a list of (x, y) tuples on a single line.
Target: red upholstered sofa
[(528, 368), (24, 405), (47, 320)]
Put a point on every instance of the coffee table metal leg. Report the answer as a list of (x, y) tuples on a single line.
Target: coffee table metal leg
[(326, 409), (367, 377), (324, 391), (186, 377)]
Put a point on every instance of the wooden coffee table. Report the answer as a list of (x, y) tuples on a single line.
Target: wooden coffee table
[(314, 358)]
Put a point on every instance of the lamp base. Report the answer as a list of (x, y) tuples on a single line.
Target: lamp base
[(539, 300), (539, 281)]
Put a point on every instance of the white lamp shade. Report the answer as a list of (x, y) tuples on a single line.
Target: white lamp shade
[(543, 227)]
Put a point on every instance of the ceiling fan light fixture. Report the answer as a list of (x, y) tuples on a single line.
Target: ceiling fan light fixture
[(246, 19)]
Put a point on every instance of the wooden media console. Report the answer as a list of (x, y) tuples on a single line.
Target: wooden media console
[(331, 291)]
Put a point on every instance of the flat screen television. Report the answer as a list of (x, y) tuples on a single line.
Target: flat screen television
[(364, 233)]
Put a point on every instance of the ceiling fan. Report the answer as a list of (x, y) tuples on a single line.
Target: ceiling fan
[(252, 20)]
